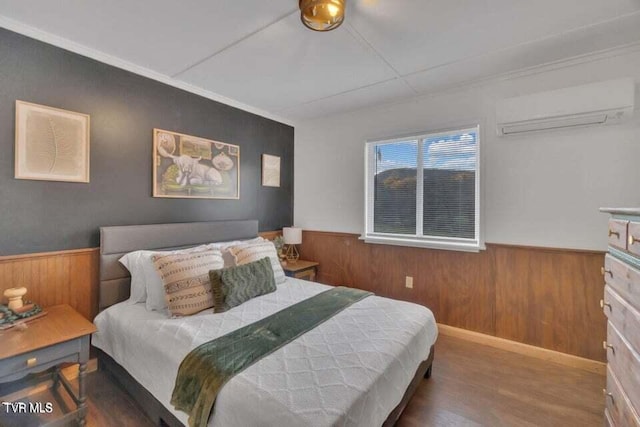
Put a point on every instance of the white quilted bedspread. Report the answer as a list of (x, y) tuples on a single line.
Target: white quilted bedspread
[(351, 370)]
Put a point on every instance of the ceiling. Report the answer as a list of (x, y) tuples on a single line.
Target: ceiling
[(257, 54)]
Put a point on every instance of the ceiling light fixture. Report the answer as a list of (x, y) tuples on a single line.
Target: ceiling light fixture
[(322, 15)]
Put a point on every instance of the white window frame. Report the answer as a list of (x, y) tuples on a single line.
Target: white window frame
[(434, 242)]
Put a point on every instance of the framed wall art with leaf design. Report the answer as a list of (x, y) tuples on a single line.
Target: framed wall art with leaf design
[(51, 144)]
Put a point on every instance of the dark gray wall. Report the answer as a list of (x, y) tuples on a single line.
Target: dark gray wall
[(41, 216)]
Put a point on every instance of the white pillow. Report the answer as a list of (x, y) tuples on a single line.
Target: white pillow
[(228, 244), (135, 262), (138, 286), (251, 252), (146, 285), (229, 259)]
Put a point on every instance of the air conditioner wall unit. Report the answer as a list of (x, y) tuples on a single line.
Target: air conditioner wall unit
[(599, 103)]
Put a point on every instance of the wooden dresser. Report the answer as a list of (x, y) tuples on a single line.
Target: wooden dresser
[(621, 305)]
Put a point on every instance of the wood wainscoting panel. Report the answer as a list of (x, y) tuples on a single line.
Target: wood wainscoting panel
[(63, 277), (532, 306), (270, 235), (467, 301), (543, 297), (52, 278), (548, 298)]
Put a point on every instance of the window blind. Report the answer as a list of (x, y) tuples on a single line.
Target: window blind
[(395, 173), (449, 193), (424, 188)]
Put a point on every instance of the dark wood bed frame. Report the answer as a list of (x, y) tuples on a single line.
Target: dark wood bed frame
[(115, 283)]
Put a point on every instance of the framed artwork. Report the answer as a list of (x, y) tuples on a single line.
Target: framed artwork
[(190, 167), (270, 170), (51, 144)]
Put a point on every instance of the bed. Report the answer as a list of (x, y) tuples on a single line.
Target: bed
[(359, 368)]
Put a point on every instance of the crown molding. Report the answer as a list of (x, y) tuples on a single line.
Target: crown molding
[(105, 58), (548, 66), (495, 78), (80, 49)]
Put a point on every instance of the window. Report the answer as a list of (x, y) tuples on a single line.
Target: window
[(423, 190)]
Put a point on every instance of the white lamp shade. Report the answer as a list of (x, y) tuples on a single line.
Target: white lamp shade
[(292, 235)]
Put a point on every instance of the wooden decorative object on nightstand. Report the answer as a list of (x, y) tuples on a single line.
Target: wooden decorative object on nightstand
[(62, 336), (301, 270)]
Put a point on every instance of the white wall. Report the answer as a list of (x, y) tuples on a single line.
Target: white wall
[(539, 189)]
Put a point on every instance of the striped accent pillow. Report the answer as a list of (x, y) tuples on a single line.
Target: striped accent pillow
[(185, 276), (244, 254)]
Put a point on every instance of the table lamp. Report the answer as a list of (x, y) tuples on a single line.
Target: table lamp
[(292, 236)]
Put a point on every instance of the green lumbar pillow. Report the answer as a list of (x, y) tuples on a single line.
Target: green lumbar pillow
[(234, 285)]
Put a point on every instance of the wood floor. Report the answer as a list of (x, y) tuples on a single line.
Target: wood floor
[(472, 385), (476, 385)]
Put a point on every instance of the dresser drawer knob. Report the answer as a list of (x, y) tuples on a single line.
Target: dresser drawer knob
[(605, 304), (633, 240), (32, 362), (604, 271), (614, 233), (607, 394), (607, 346)]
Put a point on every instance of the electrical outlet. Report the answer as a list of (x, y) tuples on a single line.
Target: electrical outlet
[(408, 282)]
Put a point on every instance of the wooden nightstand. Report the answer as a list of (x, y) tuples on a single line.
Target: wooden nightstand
[(301, 270), (62, 336)]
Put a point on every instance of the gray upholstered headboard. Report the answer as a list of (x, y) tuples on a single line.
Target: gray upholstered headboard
[(115, 280)]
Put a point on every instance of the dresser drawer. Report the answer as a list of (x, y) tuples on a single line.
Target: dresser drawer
[(633, 238), (625, 318), (624, 363), (618, 405), (37, 361), (625, 280), (618, 233)]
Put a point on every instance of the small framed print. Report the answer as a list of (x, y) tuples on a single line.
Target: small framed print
[(270, 170), (51, 144)]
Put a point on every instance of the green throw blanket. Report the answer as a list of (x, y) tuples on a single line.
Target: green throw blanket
[(208, 367)]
